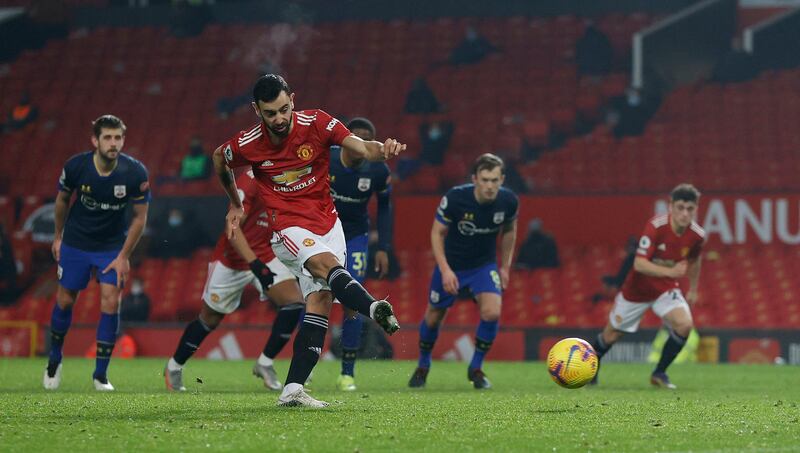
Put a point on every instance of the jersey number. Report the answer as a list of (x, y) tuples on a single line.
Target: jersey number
[(359, 262)]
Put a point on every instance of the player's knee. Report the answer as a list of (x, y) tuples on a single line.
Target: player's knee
[(434, 317), (320, 265), (210, 318), (683, 329), (490, 314)]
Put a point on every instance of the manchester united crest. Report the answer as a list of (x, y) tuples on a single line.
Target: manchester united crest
[(305, 152)]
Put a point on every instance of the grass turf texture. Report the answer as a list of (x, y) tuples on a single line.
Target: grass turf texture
[(717, 408)]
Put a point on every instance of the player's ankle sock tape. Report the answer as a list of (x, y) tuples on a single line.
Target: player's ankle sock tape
[(193, 335), (282, 328), (307, 347), (106, 338), (671, 350), (349, 292), (487, 331)]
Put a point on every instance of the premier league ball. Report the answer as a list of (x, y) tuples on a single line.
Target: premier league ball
[(572, 363)]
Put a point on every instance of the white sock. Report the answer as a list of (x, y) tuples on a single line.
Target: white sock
[(172, 365), (264, 360), (288, 389)]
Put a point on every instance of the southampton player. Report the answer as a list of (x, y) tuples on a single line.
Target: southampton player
[(289, 153), (668, 249), (353, 181), (464, 241), (95, 238), (245, 259)]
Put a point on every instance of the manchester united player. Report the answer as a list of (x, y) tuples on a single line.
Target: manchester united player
[(668, 249), (245, 259), (289, 153)]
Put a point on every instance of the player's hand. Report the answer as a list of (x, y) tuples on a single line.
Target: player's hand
[(382, 263), (123, 268), (679, 270), (505, 275), (450, 282), (232, 221), (691, 297), (56, 249), (392, 148), (263, 274)]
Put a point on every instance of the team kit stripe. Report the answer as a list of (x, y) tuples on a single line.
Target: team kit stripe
[(242, 143), (320, 322), (698, 229), (291, 246), (250, 133)]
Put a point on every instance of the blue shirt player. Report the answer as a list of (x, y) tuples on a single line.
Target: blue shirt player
[(464, 241), (352, 185), (93, 237)]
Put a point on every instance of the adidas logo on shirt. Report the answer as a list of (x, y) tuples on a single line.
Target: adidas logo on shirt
[(266, 163)]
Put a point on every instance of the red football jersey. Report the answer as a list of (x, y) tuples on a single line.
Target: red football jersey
[(255, 227), (662, 246), (292, 176)]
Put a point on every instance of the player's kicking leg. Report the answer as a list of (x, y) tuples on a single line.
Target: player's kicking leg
[(679, 323), (60, 320), (285, 293), (193, 335), (489, 304)]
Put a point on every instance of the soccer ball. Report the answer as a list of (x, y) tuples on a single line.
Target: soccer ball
[(572, 363)]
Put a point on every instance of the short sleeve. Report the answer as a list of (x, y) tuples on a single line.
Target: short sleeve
[(384, 180), (331, 131), (647, 241), (445, 211), (140, 190), (233, 153), (67, 182), (513, 210)]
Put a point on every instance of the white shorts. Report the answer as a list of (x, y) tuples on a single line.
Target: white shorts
[(294, 245), (625, 315), (224, 286)]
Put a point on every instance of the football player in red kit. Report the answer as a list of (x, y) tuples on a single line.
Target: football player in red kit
[(289, 153), (669, 249)]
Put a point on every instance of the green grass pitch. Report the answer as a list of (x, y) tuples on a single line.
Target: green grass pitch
[(717, 408)]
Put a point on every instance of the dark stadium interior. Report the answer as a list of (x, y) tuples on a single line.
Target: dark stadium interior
[(566, 135)]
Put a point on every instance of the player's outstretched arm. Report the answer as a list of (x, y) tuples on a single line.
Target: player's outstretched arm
[(693, 272), (508, 237), (228, 182), (356, 148), (60, 216), (261, 271)]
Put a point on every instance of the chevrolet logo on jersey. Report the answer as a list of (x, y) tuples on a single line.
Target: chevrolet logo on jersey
[(289, 180), (290, 177)]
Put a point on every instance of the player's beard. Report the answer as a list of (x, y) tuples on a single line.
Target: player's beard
[(282, 133)]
